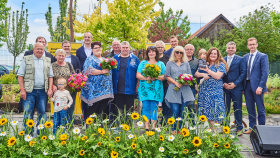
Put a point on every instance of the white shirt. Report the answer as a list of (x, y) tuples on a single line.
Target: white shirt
[(88, 51), (230, 59), (252, 60)]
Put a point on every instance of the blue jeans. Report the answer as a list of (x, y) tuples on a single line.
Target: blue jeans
[(40, 97), (150, 109), (60, 118), (72, 108)]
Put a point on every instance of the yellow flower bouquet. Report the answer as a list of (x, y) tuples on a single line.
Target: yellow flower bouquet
[(151, 70)]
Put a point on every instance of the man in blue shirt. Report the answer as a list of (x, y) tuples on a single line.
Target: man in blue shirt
[(174, 43)]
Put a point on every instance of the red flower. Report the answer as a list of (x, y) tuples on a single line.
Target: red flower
[(112, 63), (100, 65)]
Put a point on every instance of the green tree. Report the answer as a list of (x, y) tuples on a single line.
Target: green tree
[(18, 30), (200, 43), (4, 13)]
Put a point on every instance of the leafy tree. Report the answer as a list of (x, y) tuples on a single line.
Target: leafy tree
[(18, 30), (275, 19), (126, 20), (4, 13), (200, 43)]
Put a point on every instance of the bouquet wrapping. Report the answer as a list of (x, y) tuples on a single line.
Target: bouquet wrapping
[(151, 70), (108, 63), (77, 81), (185, 78)]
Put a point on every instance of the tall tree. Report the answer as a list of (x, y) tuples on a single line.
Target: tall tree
[(18, 30), (126, 20), (4, 13)]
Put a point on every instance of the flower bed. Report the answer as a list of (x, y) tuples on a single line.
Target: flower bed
[(122, 141)]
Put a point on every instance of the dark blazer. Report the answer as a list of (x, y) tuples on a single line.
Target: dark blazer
[(259, 71), (81, 54), (110, 55), (47, 54), (168, 52), (76, 63), (236, 73)]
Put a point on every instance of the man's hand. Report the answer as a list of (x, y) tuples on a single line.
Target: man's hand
[(50, 93), (65, 108), (226, 86), (231, 85), (54, 89), (23, 94), (259, 91)]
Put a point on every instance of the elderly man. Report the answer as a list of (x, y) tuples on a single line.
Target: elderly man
[(35, 76), (174, 43), (116, 45)]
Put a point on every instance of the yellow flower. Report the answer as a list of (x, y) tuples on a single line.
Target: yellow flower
[(133, 146), (3, 121), (32, 143), (84, 138), (216, 145), (44, 137), (202, 118), (118, 139), (99, 143), (21, 133), (196, 141), (139, 151), (114, 154), (150, 133), (30, 123), (101, 131), (185, 132), (145, 118), (185, 151), (63, 137), (227, 145), (161, 138), (226, 130), (152, 65), (134, 116), (48, 124), (147, 66), (89, 120), (63, 142), (125, 127), (12, 141), (170, 121), (82, 152)]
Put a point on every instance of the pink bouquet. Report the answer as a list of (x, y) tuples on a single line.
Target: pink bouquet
[(108, 63), (185, 78), (77, 81)]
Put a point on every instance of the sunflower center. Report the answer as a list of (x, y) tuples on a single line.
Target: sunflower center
[(196, 141)]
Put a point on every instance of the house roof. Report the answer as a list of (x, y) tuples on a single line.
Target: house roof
[(205, 27)]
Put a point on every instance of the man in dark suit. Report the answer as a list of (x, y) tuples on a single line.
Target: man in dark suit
[(174, 43), (255, 83), (116, 45), (42, 40), (85, 51), (233, 84)]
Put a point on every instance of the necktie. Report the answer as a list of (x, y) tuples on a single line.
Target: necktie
[(249, 67), (229, 61)]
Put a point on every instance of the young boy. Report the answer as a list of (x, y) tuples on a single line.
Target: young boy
[(60, 99)]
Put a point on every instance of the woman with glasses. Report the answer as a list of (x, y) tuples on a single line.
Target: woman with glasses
[(178, 100), (150, 93), (98, 91)]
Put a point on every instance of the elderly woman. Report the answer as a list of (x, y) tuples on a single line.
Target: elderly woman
[(150, 93), (210, 96), (98, 91), (62, 69), (178, 100)]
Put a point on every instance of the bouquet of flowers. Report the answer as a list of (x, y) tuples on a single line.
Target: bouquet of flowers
[(151, 70), (77, 81), (185, 78), (108, 63)]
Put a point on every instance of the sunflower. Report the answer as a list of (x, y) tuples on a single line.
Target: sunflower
[(44, 137), (202, 118), (82, 152), (185, 132), (171, 121), (84, 138), (12, 141), (63, 142), (21, 133), (216, 145), (32, 143), (185, 151), (3, 121), (134, 116), (118, 139), (196, 141), (114, 154), (30, 123), (63, 137), (150, 133), (161, 138), (125, 127), (145, 118), (226, 130), (101, 131), (99, 143), (227, 145), (133, 146), (89, 120), (139, 151), (48, 124)]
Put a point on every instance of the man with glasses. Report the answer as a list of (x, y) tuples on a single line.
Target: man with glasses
[(116, 45), (174, 43)]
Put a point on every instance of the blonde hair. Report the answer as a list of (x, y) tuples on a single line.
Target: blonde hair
[(252, 39), (202, 51), (178, 48)]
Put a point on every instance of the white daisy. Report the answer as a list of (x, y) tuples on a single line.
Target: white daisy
[(76, 130), (51, 137), (192, 128), (3, 134), (217, 124), (199, 151), (113, 128), (161, 149), (140, 124), (209, 130), (40, 126), (221, 117), (171, 138), (158, 129), (121, 126), (97, 125), (14, 123), (213, 134), (92, 116), (28, 138), (128, 114), (231, 123), (231, 136), (130, 136), (45, 153), (179, 119), (106, 120)]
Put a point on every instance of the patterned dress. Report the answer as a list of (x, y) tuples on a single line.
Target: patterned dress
[(62, 72), (211, 97)]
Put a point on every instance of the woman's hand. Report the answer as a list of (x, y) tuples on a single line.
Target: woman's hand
[(205, 76), (148, 78), (186, 84), (54, 88), (177, 84)]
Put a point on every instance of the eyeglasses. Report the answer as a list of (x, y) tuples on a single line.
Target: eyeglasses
[(188, 49), (60, 84), (97, 48), (177, 52), (151, 47), (160, 47)]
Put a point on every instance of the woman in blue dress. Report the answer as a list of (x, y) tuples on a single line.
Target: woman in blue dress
[(150, 93), (98, 91), (210, 96)]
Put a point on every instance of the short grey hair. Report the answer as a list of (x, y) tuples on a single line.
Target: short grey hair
[(60, 51), (231, 43), (125, 43), (116, 41), (190, 45), (160, 42)]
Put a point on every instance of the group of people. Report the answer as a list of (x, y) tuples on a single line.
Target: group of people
[(109, 92)]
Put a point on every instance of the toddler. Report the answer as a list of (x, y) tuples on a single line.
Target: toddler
[(202, 55)]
